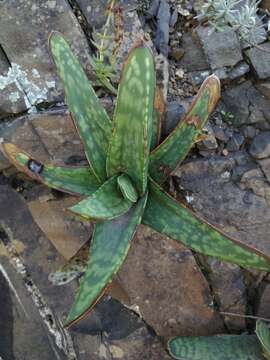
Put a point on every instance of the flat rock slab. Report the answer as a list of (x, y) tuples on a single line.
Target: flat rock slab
[(260, 60), (40, 315), (222, 48), (24, 30), (47, 136), (167, 287)]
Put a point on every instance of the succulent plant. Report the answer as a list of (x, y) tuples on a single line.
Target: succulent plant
[(128, 165), (221, 347)]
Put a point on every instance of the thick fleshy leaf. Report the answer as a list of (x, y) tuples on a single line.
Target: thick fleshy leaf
[(218, 347), (158, 116), (105, 204), (109, 247), (263, 334), (90, 118), (165, 158), (70, 179), (126, 187), (173, 219), (130, 143)]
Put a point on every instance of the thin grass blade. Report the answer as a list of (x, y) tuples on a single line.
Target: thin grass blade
[(130, 143), (217, 347), (90, 118), (173, 219), (69, 179), (172, 151), (105, 204), (109, 247)]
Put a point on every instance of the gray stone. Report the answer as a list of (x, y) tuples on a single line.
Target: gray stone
[(222, 48), (260, 60), (25, 46), (151, 274), (254, 180), (38, 307), (264, 89), (194, 58), (174, 112), (239, 212), (262, 309), (235, 142), (239, 70), (227, 283), (209, 141), (265, 166), (247, 105), (197, 77), (260, 146)]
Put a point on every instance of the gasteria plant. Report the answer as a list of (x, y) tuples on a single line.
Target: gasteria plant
[(127, 166)]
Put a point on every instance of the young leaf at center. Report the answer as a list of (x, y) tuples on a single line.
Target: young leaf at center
[(131, 139)]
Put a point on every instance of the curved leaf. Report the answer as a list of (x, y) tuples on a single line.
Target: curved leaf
[(105, 204), (90, 118), (70, 179), (171, 218), (130, 143), (218, 347), (165, 158), (109, 247), (126, 187), (263, 334)]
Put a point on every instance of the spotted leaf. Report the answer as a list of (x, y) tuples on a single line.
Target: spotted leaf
[(132, 122), (218, 347), (70, 179), (104, 204), (171, 218), (173, 150), (90, 118), (109, 247), (158, 116)]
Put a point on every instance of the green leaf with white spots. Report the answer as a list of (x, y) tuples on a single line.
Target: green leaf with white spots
[(130, 143), (90, 118), (70, 179), (171, 218), (126, 187), (109, 247), (105, 204), (172, 151), (217, 347), (263, 334)]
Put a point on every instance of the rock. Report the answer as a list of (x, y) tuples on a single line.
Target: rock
[(235, 142), (248, 131), (260, 146), (209, 141), (264, 89), (260, 60), (174, 113), (221, 133), (240, 213), (227, 283), (151, 274), (262, 309), (47, 136), (239, 70), (197, 77), (38, 307), (162, 28), (66, 232), (265, 166), (177, 53), (254, 180), (222, 49), (25, 45), (247, 105), (194, 58)]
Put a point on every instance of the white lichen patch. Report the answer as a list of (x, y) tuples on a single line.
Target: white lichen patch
[(31, 93), (50, 84)]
